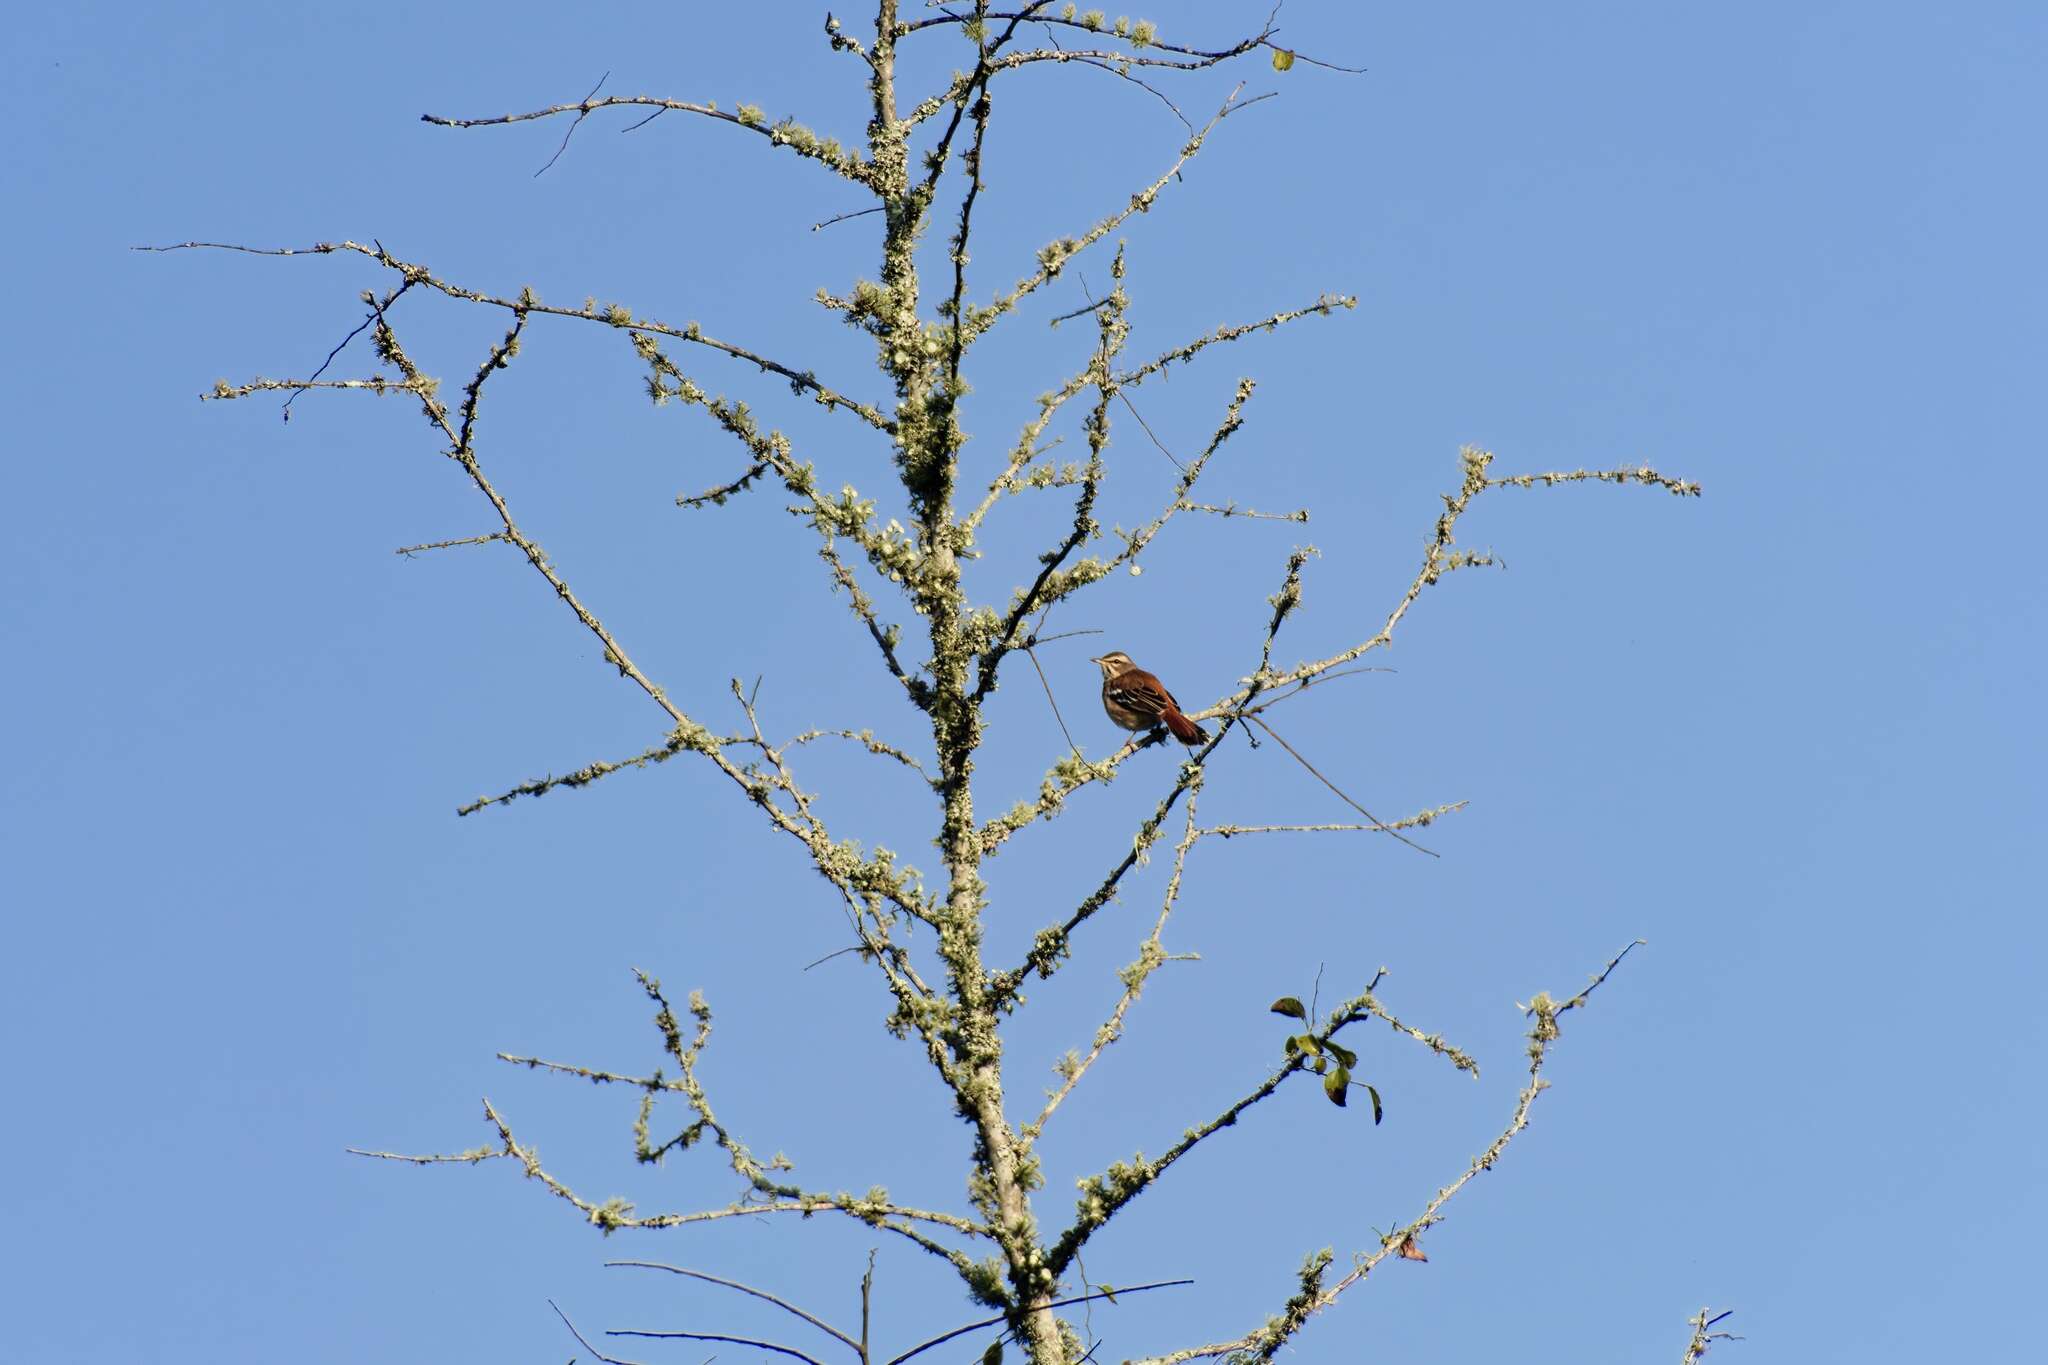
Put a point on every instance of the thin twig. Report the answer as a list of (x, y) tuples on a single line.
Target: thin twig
[(609, 315), (977, 1325), (577, 123), (761, 1294), (1393, 829), (342, 345), (1324, 305), (1421, 819), (1231, 509), (842, 217), (410, 550), (1053, 702), (787, 133), (582, 1341), (754, 1342), (1030, 651), (1085, 309), (1147, 428)]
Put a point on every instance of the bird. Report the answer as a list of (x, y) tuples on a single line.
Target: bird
[(1135, 700)]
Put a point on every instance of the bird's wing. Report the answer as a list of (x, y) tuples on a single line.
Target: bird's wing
[(1141, 692)]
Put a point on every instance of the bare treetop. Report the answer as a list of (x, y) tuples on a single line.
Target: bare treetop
[(894, 547)]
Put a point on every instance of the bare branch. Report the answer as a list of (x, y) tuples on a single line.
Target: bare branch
[(980, 1323), (410, 550), (1153, 436), (1121, 70), (584, 1342), (843, 217), (360, 328), (761, 1294), (715, 497), (610, 315), (1394, 829), (1324, 305), (1420, 820), (1231, 509), (1142, 38), (786, 133), (866, 739), (1368, 1006), (377, 384), (677, 742), (1440, 557), (614, 1214), (754, 1342), (1052, 701), (578, 123)]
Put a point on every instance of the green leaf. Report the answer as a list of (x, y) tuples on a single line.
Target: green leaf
[(1106, 1293), (1288, 1005), (1306, 1042), (1344, 1055), (994, 1354), (1375, 1104), (1293, 1045), (1337, 1085), (1282, 59)]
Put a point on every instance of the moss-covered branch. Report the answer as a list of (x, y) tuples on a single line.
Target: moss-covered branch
[(902, 534)]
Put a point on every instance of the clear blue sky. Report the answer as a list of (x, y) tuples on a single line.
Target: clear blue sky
[(1789, 733)]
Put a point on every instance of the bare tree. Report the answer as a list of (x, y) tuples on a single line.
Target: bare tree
[(921, 161)]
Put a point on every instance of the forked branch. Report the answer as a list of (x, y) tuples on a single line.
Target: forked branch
[(766, 1193)]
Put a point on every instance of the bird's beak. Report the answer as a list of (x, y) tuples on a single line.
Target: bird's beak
[(1095, 661)]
